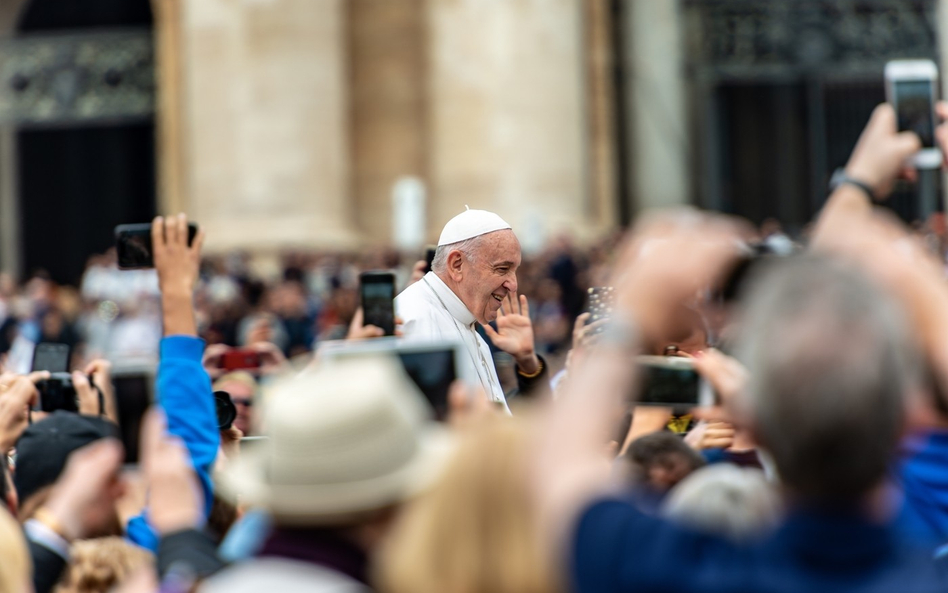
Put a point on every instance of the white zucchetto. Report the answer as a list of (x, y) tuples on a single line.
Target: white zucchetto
[(471, 223)]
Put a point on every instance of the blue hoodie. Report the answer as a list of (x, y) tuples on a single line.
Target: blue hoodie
[(923, 477), (185, 396)]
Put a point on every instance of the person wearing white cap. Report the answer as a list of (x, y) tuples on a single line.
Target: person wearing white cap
[(473, 279)]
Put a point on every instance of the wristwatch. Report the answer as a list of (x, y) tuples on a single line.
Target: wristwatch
[(840, 178)]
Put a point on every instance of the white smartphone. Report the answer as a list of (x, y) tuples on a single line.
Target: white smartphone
[(912, 88)]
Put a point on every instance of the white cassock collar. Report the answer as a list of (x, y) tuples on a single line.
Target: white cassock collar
[(451, 301)]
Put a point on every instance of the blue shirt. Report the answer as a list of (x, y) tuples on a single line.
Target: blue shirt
[(616, 548), (185, 396)]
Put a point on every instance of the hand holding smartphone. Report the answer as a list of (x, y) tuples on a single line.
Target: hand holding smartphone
[(912, 90), (378, 294), (133, 244)]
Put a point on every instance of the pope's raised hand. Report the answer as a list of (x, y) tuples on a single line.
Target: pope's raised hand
[(514, 333)]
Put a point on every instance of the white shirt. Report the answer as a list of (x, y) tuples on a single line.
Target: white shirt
[(432, 312)]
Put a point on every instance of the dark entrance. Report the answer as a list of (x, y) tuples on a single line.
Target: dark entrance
[(86, 160), (780, 92)]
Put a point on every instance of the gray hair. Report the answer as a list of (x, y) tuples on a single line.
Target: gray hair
[(468, 247), (735, 502), (830, 361)]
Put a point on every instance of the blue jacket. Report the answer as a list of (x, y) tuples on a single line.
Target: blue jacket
[(616, 548), (923, 477), (185, 396)]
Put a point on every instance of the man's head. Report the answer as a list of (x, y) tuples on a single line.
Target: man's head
[(242, 388), (660, 460), (830, 362), (477, 257), (482, 271)]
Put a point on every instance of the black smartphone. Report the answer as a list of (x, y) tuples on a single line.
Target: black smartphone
[(133, 244), (671, 381), (429, 257), (378, 295), (52, 357), (433, 371)]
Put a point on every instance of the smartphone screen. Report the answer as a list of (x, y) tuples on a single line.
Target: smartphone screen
[(51, 357), (378, 294), (671, 382), (133, 244), (913, 102), (433, 372)]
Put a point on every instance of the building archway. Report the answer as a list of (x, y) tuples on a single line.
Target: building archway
[(85, 161)]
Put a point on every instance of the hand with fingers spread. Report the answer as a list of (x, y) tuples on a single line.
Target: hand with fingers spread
[(17, 395), (514, 333)]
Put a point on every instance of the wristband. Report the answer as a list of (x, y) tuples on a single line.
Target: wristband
[(534, 374)]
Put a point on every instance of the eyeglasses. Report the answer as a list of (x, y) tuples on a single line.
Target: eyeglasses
[(242, 402)]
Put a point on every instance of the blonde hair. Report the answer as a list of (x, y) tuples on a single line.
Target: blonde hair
[(16, 569), (98, 565), (475, 531)]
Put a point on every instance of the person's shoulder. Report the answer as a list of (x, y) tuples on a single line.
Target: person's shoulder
[(413, 301)]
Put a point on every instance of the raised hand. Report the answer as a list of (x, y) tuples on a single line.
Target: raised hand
[(177, 264), (514, 333)]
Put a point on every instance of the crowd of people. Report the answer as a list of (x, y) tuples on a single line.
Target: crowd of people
[(820, 464)]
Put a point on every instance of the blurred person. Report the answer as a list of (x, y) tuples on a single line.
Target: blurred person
[(16, 569), (243, 388), (183, 386), (79, 504), (98, 565), (655, 463), (738, 503), (832, 370), (351, 442), (474, 531), (832, 337), (473, 279), (42, 453)]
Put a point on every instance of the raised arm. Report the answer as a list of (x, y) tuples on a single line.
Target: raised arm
[(184, 388)]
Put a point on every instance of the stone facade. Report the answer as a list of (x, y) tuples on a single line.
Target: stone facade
[(288, 122)]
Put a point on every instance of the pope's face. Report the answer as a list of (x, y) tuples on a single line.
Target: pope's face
[(492, 275)]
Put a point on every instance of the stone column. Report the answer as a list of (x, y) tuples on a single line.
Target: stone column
[(657, 110), (507, 120), (387, 75), (170, 116), (267, 119)]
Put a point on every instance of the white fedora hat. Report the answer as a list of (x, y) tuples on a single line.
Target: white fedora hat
[(348, 438)]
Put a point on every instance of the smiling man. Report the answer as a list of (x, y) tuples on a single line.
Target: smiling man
[(473, 279)]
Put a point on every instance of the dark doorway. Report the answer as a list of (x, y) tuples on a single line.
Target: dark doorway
[(77, 180)]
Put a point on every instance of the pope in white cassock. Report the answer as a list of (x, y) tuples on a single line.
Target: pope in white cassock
[(473, 279)]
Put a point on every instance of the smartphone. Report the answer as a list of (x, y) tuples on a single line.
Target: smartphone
[(48, 356), (599, 303), (378, 296), (672, 382), (133, 244), (912, 89), (432, 366), (429, 257), (240, 358)]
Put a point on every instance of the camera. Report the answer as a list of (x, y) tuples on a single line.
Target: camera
[(57, 393)]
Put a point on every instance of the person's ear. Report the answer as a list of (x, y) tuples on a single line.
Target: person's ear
[(455, 262)]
